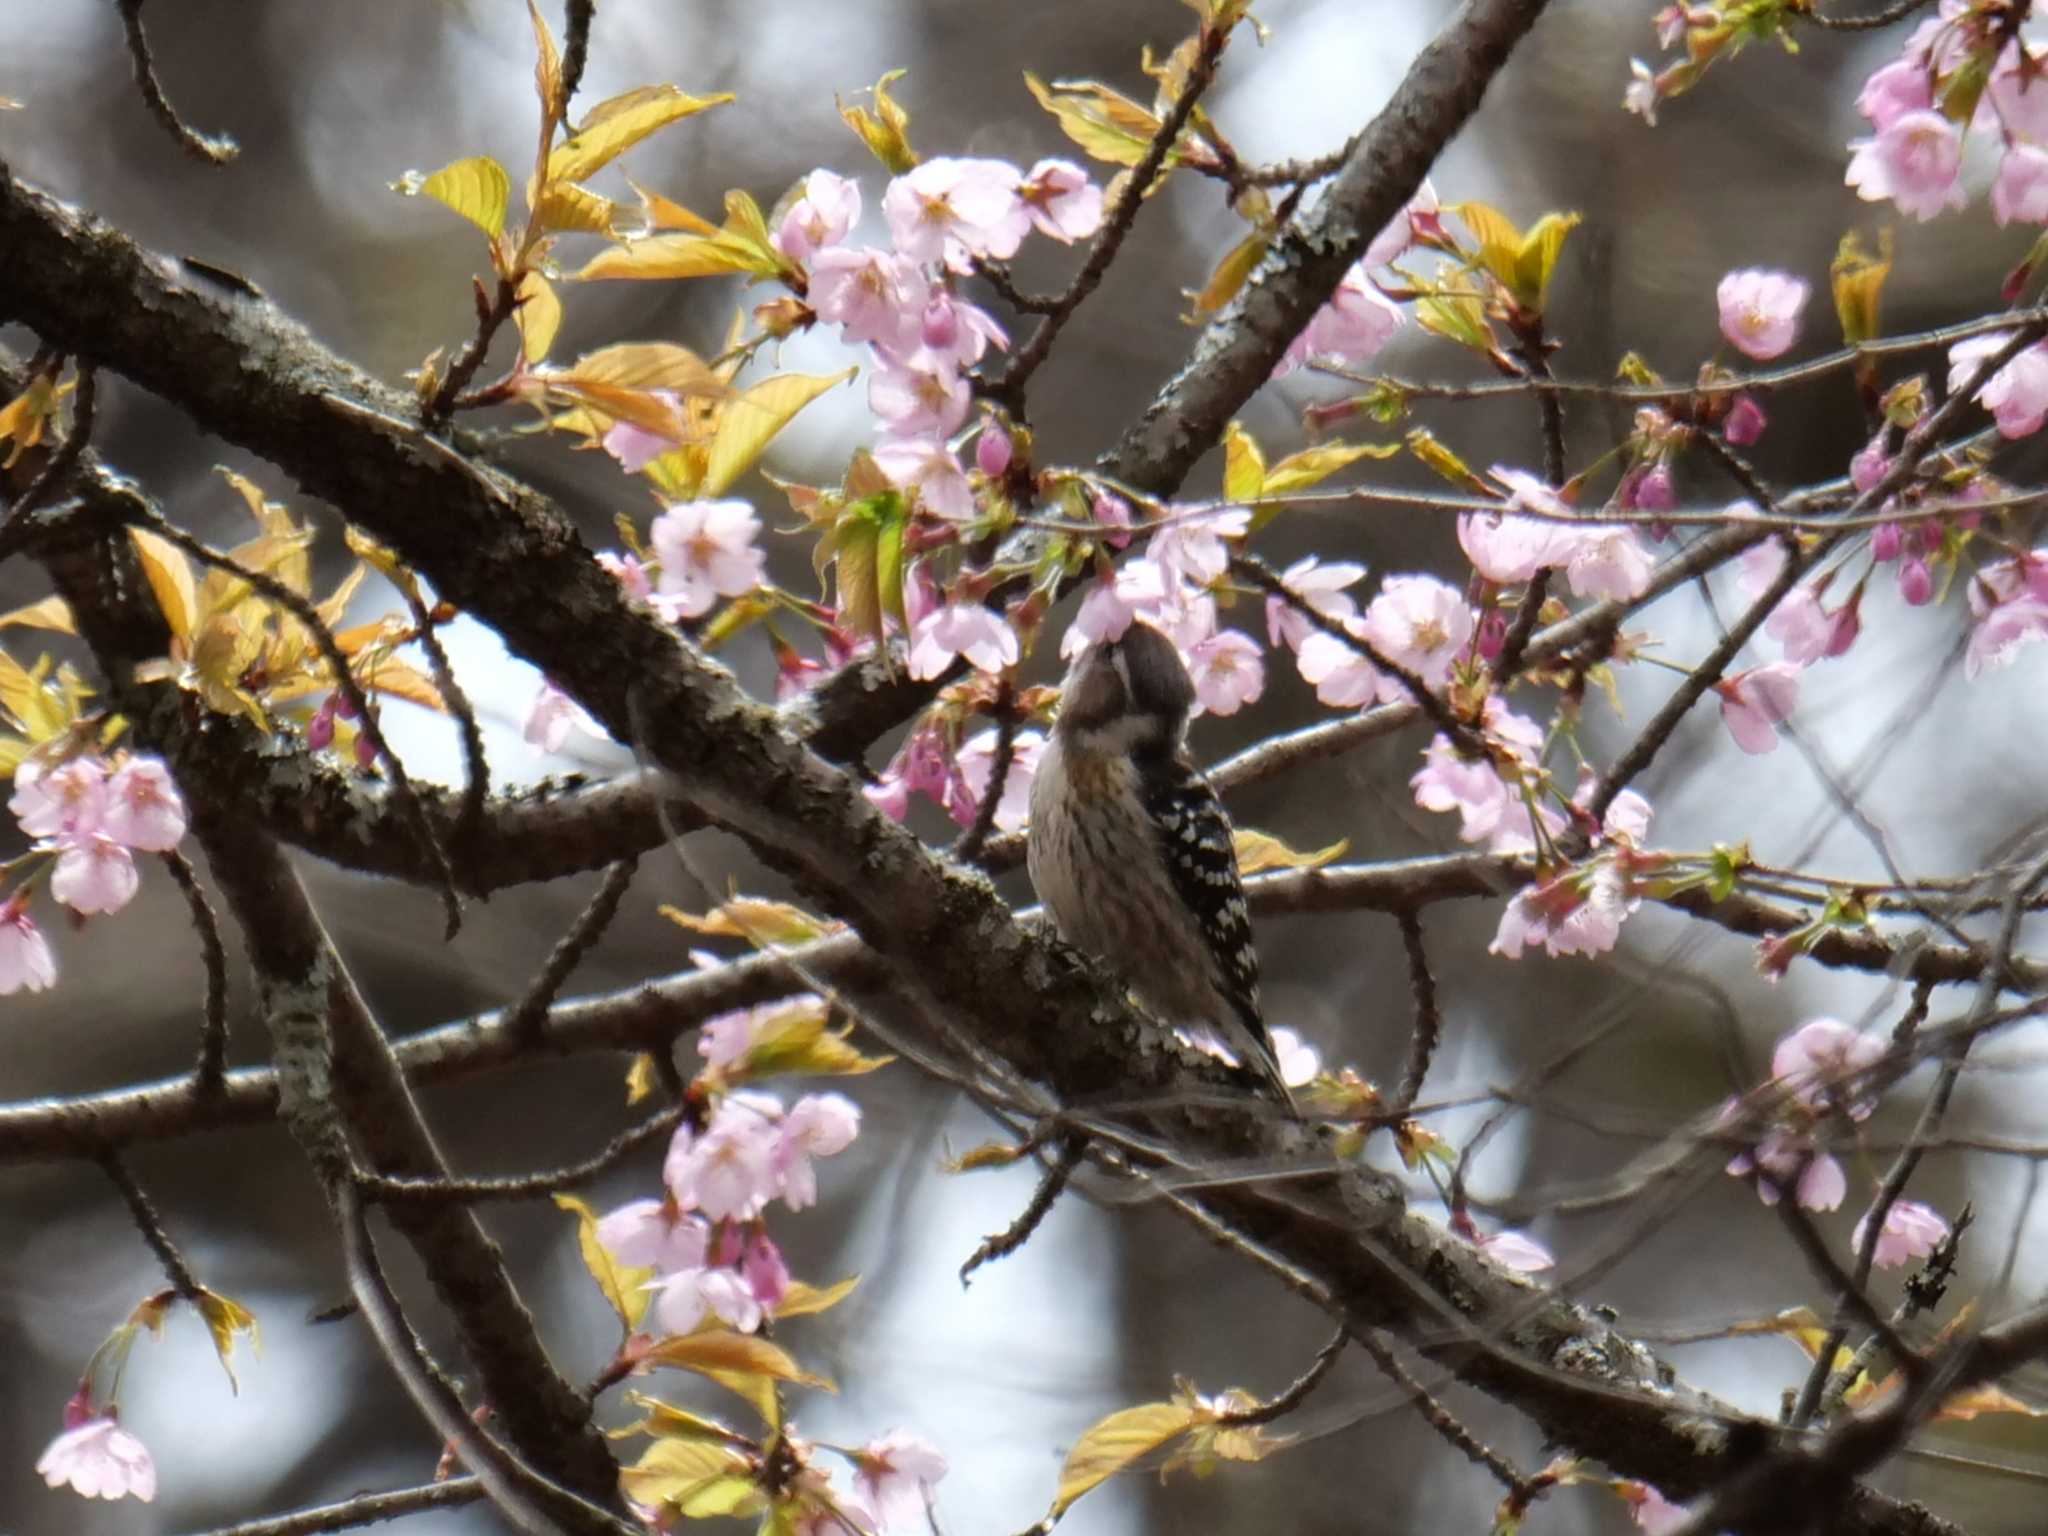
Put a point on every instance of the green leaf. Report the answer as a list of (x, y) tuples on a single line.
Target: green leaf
[(1244, 466), (1238, 263), (675, 1471), (1536, 258), (1858, 280), (802, 1300), (722, 1354), (52, 613), (1425, 445), (225, 1320), (476, 188), (1258, 851), (749, 421), (615, 126), (886, 130), (1311, 466), (1114, 1443), (170, 578), (621, 1284), (1107, 124)]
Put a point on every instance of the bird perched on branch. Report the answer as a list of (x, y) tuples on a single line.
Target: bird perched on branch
[(1132, 853)]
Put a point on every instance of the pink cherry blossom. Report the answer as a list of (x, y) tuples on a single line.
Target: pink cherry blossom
[(1782, 1157), (952, 327), (2016, 395), (729, 1170), (1910, 1231), (818, 1125), (706, 549), (1391, 243), (1342, 676), (1998, 637), (25, 958), (2020, 194), (823, 216), (764, 1270), (94, 874), (955, 209), (1228, 672), (2019, 99), (654, 1234), (922, 394), (894, 1474), (1507, 548), (920, 767), (1318, 585), (1745, 421), (961, 629), (1061, 201), (1898, 88), (731, 1298), (1916, 582), (1651, 1511), (1517, 1251), (1609, 561), (1801, 625), (100, 1460), (975, 761), (1489, 809), (994, 450), (1653, 491), (1348, 330), (1194, 547), (1421, 623), (70, 798), (1760, 311), (1103, 616), (1575, 914), (874, 296), (1641, 95), (1819, 1061), (1915, 160), (1111, 512), (1755, 702), (143, 807), (930, 468), (1299, 1061), (634, 446), (552, 714)]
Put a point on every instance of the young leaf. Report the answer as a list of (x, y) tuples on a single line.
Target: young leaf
[(673, 1470), (615, 126), (170, 578), (719, 1353), (642, 1078), (51, 613), (1244, 465), (802, 1300), (1258, 851), (538, 316), (547, 68), (621, 1284), (1107, 124), (1114, 1443), (886, 130), (748, 422), (225, 1319), (757, 921), (668, 1422), (476, 188), (1536, 259), (563, 207), (1311, 466)]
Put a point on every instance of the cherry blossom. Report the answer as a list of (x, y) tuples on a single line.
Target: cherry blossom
[(920, 767), (1318, 585), (1103, 616), (1228, 672), (1349, 329), (1755, 702), (1609, 561), (1916, 582), (823, 216), (961, 629), (706, 550), (2018, 97), (1193, 547), (55, 802), (1651, 1511), (1760, 311), (1745, 422), (922, 394), (994, 449), (1061, 201), (634, 446), (1490, 809), (1783, 1157), (1574, 914), (1901, 86), (729, 1171), (1642, 94), (894, 1474), (818, 1125), (2016, 395), (1512, 1250), (931, 469), (2020, 194), (143, 809), (1342, 675), (873, 296), (101, 1460), (1910, 1231), (2001, 631), (94, 874), (656, 1235), (975, 761), (1507, 548), (1915, 160), (551, 716), (25, 959), (1421, 623), (951, 327), (1653, 491), (1801, 625), (1819, 1059), (1392, 242), (956, 209)]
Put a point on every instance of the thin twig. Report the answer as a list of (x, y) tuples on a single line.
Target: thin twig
[(386, 1187), (214, 149), (524, 1020), (968, 849), (211, 1071), (1898, 11), (1291, 1399), (1440, 1418), (1002, 1244), (1009, 388), (1428, 1027), (151, 1226), (476, 768), (363, 1509), (492, 311)]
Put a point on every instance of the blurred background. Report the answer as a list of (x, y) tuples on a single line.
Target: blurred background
[(1104, 1307)]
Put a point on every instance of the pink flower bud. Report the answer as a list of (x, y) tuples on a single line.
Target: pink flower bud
[(1924, 537), (1746, 421), (1493, 633), (1846, 624), (1916, 582), (941, 327), (1655, 492), (992, 451), (320, 729), (1885, 543), (366, 752)]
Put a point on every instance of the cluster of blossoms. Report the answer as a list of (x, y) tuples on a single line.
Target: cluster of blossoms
[(89, 819), (957, 778), (714, 1263)]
